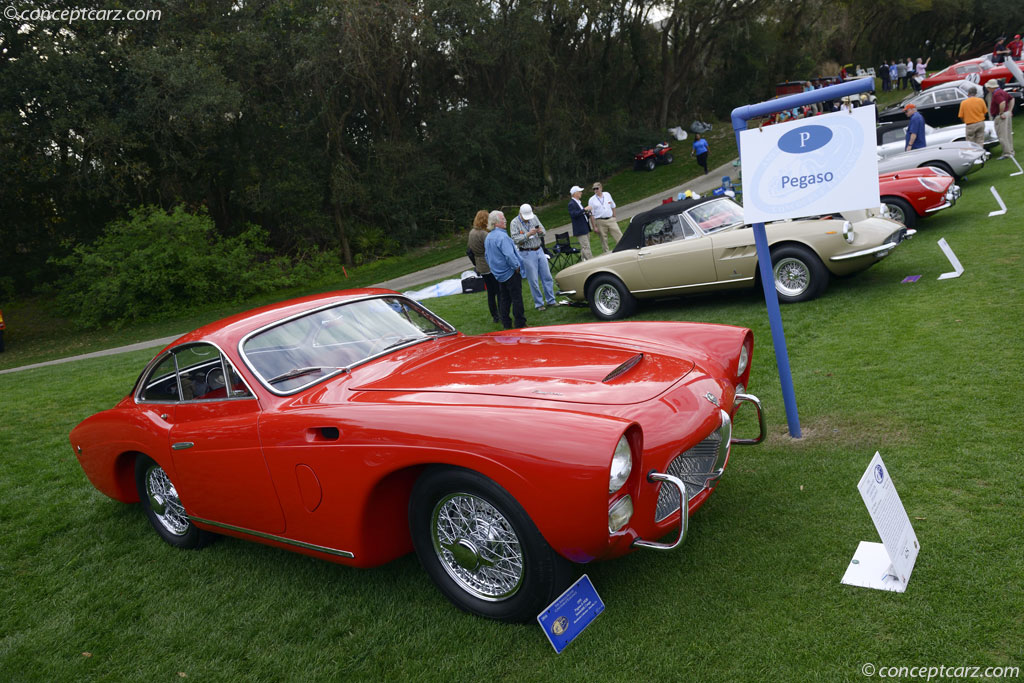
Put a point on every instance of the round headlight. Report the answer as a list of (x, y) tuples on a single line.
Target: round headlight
[(741, 366), (622, 465)]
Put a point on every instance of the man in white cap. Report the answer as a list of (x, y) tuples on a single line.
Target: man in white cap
[(580, 217), (1000, 108), (528, 234), (602, 209)]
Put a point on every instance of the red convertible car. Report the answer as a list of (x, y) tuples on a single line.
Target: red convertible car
[(358, 426), (916, 193)]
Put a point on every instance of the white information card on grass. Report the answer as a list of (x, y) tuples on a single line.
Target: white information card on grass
[(886, 565), (808, 167)]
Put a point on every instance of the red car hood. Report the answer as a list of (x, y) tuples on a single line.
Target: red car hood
[(533, 368)]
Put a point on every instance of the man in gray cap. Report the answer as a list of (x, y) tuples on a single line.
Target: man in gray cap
[(528, 234), (580, 217), (1000, 108)]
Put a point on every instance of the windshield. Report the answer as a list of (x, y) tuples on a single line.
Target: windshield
[(716, 215), (305, 350)]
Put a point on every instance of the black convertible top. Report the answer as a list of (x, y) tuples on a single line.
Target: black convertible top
[(633, 238)]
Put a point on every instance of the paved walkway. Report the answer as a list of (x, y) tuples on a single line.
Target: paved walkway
[(443, 271)]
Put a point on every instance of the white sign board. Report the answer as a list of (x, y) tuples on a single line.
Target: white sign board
[(887, 565), (812, 166)]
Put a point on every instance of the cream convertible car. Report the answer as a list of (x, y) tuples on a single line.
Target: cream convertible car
[(701, 245)]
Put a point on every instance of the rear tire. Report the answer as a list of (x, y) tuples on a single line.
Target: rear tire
[(609, 298), (900, 210), (798, 273), (667, 159), (480, 547), (159, 498)]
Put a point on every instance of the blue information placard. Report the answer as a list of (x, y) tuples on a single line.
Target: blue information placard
[(566, 617)]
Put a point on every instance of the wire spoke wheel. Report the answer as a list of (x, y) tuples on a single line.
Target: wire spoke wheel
[(164, 501), (477, 546), (792, 277), (607, 299)]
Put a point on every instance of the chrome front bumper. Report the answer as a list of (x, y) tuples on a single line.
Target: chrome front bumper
[(702, 480)]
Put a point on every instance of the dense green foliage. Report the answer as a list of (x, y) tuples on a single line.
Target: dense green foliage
[(159, 262), (369, 126)]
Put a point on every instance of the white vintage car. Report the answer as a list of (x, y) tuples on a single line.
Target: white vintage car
[(891, 137)]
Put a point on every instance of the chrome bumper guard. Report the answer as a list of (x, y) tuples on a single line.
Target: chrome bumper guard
[(750, 398), (684, 512)]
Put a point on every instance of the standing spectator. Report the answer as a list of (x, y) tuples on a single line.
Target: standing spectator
[(915, 129), (901, 73), (1000, 51), (602, 210), (883, 73), (507, 266), (893, 77), (477, 236), (1016, 46), (912, 75), (528, 234), (580, 217), (972, 113), (700, 148), (922, 68), (1000, 108), (846, 106)]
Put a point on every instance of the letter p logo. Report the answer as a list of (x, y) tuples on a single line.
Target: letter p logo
[(804, 137)]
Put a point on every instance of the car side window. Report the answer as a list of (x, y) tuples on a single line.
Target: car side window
[(946, 95), (205, 375), (161, 385), (893, 135), (681, 227), (658, 231)]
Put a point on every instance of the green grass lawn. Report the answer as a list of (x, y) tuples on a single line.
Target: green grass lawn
[(926, 373)]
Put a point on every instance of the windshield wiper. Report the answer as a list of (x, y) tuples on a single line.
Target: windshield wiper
[(404, 340), (299, 372)]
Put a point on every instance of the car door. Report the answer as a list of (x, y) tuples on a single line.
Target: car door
[(221, 473), (947, 106), (674, 255)]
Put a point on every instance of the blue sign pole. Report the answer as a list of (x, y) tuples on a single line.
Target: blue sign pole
[(740, 116)]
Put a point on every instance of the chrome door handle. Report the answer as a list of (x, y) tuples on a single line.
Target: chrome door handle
[(182, 445)]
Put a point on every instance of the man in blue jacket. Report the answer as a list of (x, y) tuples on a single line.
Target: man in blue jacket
[(507, 267), (580, 216), (915, 129)]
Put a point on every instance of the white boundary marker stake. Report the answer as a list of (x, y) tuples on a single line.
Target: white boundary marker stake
[(1020, 171), (958, 269), (1002, 207)]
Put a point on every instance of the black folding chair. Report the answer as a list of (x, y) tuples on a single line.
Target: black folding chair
[(565, 253)]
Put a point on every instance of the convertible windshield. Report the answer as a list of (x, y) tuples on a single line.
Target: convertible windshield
[(716, 215), (322, 343)]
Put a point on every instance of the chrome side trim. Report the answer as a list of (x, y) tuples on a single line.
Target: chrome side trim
[(182, 445), (566, 292), (750, 398), (684, 513), (945, 205), (699, 284), (279, 539)]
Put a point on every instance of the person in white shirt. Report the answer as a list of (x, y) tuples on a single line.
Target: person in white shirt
[(527, 233), (602, 209)]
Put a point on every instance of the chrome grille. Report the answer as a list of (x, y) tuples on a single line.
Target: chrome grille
[(693, 467)]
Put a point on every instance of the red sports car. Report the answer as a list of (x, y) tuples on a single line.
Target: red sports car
[(917, 192), (358, 426), (969, 69)]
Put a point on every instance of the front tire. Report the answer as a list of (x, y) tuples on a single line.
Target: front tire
[(799, 273), (900, 210), (159, 498), (610, 299), (649, 164), (480, 547)]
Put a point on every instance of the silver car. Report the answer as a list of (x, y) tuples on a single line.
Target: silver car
[(892, 136), (955, 158)]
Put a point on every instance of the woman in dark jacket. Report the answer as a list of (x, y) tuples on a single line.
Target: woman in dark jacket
[(477, 235)]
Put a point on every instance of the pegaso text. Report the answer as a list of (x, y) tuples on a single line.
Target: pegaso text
[(936, 672), (70, 16), (803, 181)]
